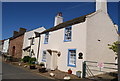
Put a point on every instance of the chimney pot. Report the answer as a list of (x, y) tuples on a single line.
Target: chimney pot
[(59, 14)]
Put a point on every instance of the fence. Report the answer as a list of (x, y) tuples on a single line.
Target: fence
[(92, 68)]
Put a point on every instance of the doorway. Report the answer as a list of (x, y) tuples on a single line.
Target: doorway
[(51, 60), (13, 51)]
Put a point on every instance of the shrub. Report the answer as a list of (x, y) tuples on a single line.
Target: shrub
[(26, 59), (32, 60)]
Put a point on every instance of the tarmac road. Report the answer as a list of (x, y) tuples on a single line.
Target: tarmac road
[(13, 72)]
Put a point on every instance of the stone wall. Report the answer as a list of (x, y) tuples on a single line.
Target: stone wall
[(15, 47)]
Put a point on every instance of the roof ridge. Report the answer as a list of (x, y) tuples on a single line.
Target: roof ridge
[(67, 23)]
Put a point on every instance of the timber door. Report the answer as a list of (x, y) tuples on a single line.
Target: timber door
[(51, 61), (13, 51), (54, 61)]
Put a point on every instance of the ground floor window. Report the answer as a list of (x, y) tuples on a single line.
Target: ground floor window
[(44, 56), (72, 57)]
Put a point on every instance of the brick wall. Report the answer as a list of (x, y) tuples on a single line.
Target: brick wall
[(15, 47)]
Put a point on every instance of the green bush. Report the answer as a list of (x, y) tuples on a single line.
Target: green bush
[(32, 60), (26, 59)]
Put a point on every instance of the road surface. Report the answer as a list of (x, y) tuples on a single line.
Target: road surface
[(12, 72)]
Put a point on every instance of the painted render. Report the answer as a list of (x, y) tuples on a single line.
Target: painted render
[(5, 46), (27, 42), (1, 45), (87, 37), (98, 37), (56, 42)]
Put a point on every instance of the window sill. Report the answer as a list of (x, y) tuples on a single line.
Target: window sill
[(72, 65), (45, 43), (67, 40), (44, 60)]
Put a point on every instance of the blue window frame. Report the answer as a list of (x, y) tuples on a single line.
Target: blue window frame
[(46, 38), (72, 57), (68, 34), (44, 56)]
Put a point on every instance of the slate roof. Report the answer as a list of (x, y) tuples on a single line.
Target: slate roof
[(67, 23)]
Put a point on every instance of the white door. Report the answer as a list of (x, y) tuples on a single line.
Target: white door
[(48, 61), (54, 61)]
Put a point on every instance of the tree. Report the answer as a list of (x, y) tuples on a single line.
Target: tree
[(114, 47)]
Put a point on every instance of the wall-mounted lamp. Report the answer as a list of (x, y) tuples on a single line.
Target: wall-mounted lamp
[(80, 55)]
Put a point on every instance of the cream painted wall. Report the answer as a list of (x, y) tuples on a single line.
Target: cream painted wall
[(5, 46), (26, 42), (56, 42), (100, 27), (85, 36)]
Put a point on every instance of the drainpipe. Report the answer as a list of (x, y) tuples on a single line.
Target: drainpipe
[(30, 45), (30, 48), (38, 48), (84, 70)]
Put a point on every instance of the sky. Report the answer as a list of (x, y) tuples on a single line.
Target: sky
[(32, 15)]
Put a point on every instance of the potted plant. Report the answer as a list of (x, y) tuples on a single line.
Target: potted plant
[(32, 63), (78, 74), (42, 64), (26, 59), (42, 69), (9, 58), (69, 71)]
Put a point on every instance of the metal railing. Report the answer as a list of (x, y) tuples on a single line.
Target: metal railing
[(89, 67)]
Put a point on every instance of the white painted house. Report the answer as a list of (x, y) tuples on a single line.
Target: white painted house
[(68, 44), (30, 44), (5, 46)]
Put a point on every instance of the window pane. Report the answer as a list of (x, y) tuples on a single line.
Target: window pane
[(44, 56), (68, 33), (72, 57), (46, 38)]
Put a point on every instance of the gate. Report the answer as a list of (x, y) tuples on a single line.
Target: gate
[(92, 68)]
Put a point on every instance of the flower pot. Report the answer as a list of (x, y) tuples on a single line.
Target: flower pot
[(42, 70), (32, 67), (69, 71), (78, 74)]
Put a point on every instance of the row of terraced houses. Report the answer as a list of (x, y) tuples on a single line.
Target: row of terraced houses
[(68, 44)]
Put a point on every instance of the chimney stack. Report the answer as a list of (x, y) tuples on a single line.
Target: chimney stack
[(22, 30), (15, 33), (58, 19), (101, 5)]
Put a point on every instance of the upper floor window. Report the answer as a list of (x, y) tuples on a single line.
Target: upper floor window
[(68, 34), (46, 38)]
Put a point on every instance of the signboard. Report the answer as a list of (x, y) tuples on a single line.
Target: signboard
[(100, 64)]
